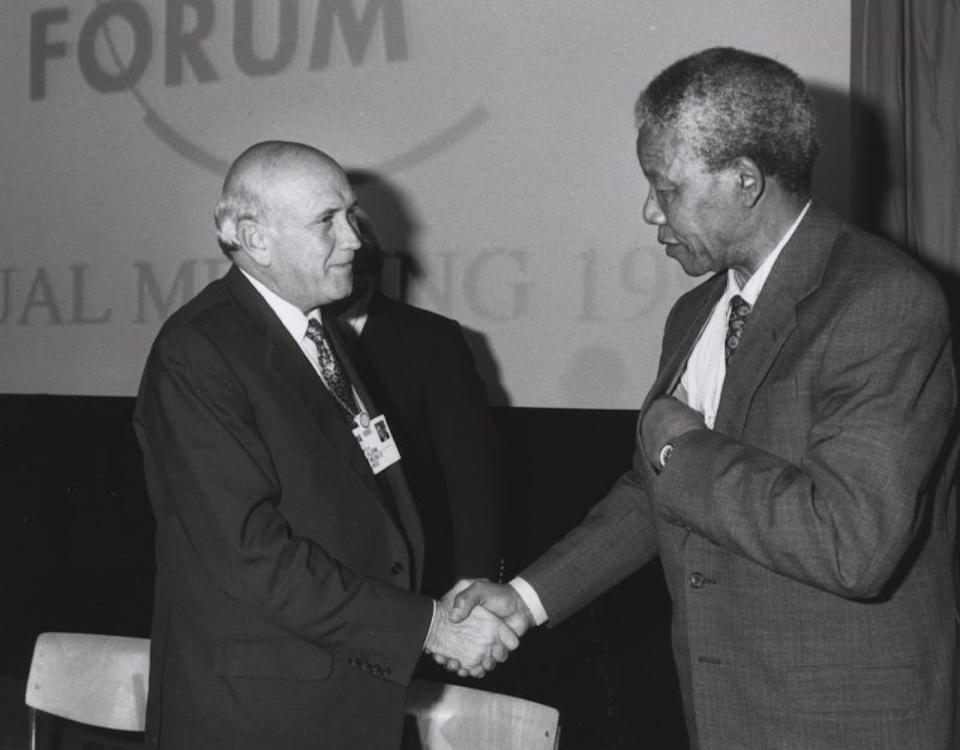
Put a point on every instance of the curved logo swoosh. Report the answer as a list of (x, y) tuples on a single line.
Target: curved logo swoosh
[(187, 149)]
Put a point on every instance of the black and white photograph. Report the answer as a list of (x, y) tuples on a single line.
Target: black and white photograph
[(420, 375)]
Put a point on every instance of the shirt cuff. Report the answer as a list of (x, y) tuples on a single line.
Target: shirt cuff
[(530, 598), (433, 621)]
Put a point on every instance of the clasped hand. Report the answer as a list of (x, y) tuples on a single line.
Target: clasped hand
[(666, 419), (477, 625)]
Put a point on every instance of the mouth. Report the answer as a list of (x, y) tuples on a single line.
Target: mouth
[(343, 265)]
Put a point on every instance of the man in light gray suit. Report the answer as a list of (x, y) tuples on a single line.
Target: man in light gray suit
[(795, 456)]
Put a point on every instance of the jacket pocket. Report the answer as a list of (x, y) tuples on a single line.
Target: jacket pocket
[(277, 658)]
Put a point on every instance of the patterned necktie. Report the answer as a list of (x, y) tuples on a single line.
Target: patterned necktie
[(739, 309), (331, 371)]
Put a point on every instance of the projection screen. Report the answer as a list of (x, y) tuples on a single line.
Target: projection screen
[(491, 142)]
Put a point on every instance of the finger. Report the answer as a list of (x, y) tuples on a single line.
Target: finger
[(507, 637), (464, 672), (499, 652), (519, 623), (451, 664), (489, 662)]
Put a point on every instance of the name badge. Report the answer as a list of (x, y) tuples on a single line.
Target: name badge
[(376, 442)]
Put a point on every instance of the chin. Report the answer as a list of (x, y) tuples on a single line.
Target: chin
[(691, 263), (345, 289), (694, 271), (335, 293), (685, 258)]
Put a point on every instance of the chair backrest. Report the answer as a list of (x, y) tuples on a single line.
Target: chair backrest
[(99, 680), (451, 717)]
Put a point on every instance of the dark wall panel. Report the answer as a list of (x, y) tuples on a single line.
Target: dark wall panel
[(76, 554)]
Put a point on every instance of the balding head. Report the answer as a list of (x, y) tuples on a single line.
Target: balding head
[(287, 216), (249, 189)]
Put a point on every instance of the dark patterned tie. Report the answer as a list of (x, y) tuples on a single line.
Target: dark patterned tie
[(739, 309), (331, 371)]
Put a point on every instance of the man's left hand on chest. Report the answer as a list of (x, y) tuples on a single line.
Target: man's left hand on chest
[(665, 420)]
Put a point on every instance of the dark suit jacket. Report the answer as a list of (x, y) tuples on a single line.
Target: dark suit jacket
[(284, 612), (807, 540), (421, 373)]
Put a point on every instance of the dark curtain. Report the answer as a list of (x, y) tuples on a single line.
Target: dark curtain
[(905, 88)]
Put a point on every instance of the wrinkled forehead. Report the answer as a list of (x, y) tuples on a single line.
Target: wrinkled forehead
[(664, 150)]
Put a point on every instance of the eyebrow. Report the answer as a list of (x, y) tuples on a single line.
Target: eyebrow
[(334, 209)]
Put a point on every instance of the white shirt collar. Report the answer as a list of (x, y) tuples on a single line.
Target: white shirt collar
[(290, 315), (751, 290)]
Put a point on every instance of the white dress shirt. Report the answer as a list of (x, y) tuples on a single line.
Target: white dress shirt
[(702, 380), (292, 318), (706, 369), (296, 323)]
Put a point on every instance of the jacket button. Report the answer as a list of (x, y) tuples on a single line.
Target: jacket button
[(696, 580), (396, 568)]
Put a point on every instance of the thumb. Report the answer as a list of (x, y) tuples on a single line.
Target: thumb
[(464, 603)]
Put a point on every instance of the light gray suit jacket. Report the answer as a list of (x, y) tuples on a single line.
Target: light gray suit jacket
[(808, 539)]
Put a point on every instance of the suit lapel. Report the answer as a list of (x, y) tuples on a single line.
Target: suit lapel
[(689, 321), (285, 359), (403, 507), (797, 272)]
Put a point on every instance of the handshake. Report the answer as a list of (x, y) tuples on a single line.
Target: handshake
[(476, 625)]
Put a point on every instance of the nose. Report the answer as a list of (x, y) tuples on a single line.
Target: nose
[(651, 209), (349, 236)]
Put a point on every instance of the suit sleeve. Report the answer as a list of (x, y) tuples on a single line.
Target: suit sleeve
[(213, 478), (841, 517), (469, 451), (617, 537)]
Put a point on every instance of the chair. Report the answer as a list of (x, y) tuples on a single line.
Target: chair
[(89, 681), (83, 682), (451, 717)]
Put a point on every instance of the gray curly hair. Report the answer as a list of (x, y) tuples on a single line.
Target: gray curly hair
[(730, 103)]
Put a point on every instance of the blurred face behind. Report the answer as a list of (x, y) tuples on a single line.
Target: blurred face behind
[(696, 211), (311, 234)]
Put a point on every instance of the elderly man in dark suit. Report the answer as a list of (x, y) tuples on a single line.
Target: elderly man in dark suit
[(793, 467), (288, 548)]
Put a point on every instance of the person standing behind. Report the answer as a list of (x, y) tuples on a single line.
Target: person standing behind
[(420, 371), (288, 549), (796, 458)]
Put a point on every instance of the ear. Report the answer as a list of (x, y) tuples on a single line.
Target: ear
[(750, 180), (253, 240)]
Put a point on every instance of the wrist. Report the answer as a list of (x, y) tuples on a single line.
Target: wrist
[(430, 641), (532, 607)]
